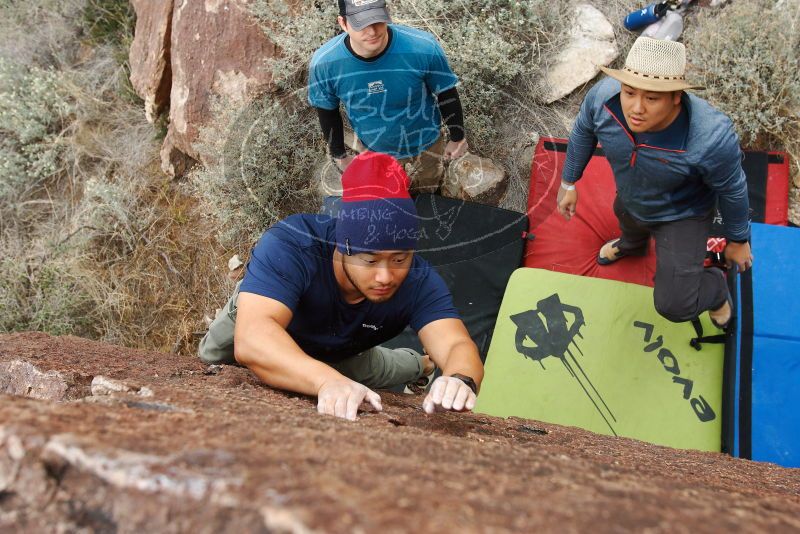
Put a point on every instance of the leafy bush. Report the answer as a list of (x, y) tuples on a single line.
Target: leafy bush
[(44, 288), (298, 30), (496, 48), (263, 158), (94, 240), (109, 22), (43, 33), (33, 108), (748, 57)]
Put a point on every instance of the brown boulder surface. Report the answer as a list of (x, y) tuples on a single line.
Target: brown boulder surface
[(151, 73), (98, 438), (217, 48)]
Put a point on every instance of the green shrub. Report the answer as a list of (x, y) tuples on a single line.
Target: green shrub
[(263, 157), (44, 288), (109, 22), (42, 33), (748, 57), (297, 31), (33, 108), (94, 239), (494, 47)]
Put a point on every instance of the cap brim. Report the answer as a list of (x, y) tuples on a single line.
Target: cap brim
[(649, 84), (361, 20)]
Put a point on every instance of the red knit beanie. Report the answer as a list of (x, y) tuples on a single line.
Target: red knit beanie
[(376, 212)]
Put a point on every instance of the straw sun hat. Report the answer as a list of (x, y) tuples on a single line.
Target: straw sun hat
[(654, 65)]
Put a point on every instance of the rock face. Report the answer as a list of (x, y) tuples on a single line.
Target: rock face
[(210, 449), (195, 50), (468, 178), (151, 72), (217, 48), (473, 178), (592, 44), (329, 178)]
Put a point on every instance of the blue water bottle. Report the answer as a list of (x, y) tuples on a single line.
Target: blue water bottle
[(644, 17)]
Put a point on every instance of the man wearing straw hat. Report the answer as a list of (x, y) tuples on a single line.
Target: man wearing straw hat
[(674, 157)]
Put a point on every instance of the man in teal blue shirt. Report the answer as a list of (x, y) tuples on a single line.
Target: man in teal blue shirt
[(396, 87)]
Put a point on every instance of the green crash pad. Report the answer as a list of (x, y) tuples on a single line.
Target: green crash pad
[(595, 354)]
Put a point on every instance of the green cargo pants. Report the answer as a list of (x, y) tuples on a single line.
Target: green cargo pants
[(376, 368)]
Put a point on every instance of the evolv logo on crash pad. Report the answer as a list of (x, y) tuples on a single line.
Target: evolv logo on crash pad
[(701, 408), (554, 330), (549, 331)]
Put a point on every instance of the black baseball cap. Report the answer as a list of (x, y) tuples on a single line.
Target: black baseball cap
[(362, 13)]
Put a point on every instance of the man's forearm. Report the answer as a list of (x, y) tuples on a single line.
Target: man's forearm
[(735, 214), (733, 200), (582, 142), (579, 151), (274, 357)]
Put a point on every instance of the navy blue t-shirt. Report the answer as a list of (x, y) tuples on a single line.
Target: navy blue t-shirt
[(293, 264)]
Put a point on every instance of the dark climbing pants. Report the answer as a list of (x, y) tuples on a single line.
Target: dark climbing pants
[(683, 287)]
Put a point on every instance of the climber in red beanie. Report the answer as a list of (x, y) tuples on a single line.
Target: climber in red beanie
[(321, 294)]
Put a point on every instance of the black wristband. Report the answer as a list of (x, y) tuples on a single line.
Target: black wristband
[(468, 381), (741, 242)]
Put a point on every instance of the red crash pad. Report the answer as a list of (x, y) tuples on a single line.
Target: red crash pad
[(571, 247)]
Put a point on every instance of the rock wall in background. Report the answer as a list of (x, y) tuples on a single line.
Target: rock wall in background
[(151, 70), (184, 53)]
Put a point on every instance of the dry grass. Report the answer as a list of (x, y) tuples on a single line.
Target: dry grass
[(156, 267), (102, 246), (160, 277)]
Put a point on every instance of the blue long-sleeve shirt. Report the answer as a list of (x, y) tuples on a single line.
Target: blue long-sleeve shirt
[(670, 175)]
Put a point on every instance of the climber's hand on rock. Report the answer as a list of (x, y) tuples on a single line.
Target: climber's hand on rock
[(448, 393), (342, 398)]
